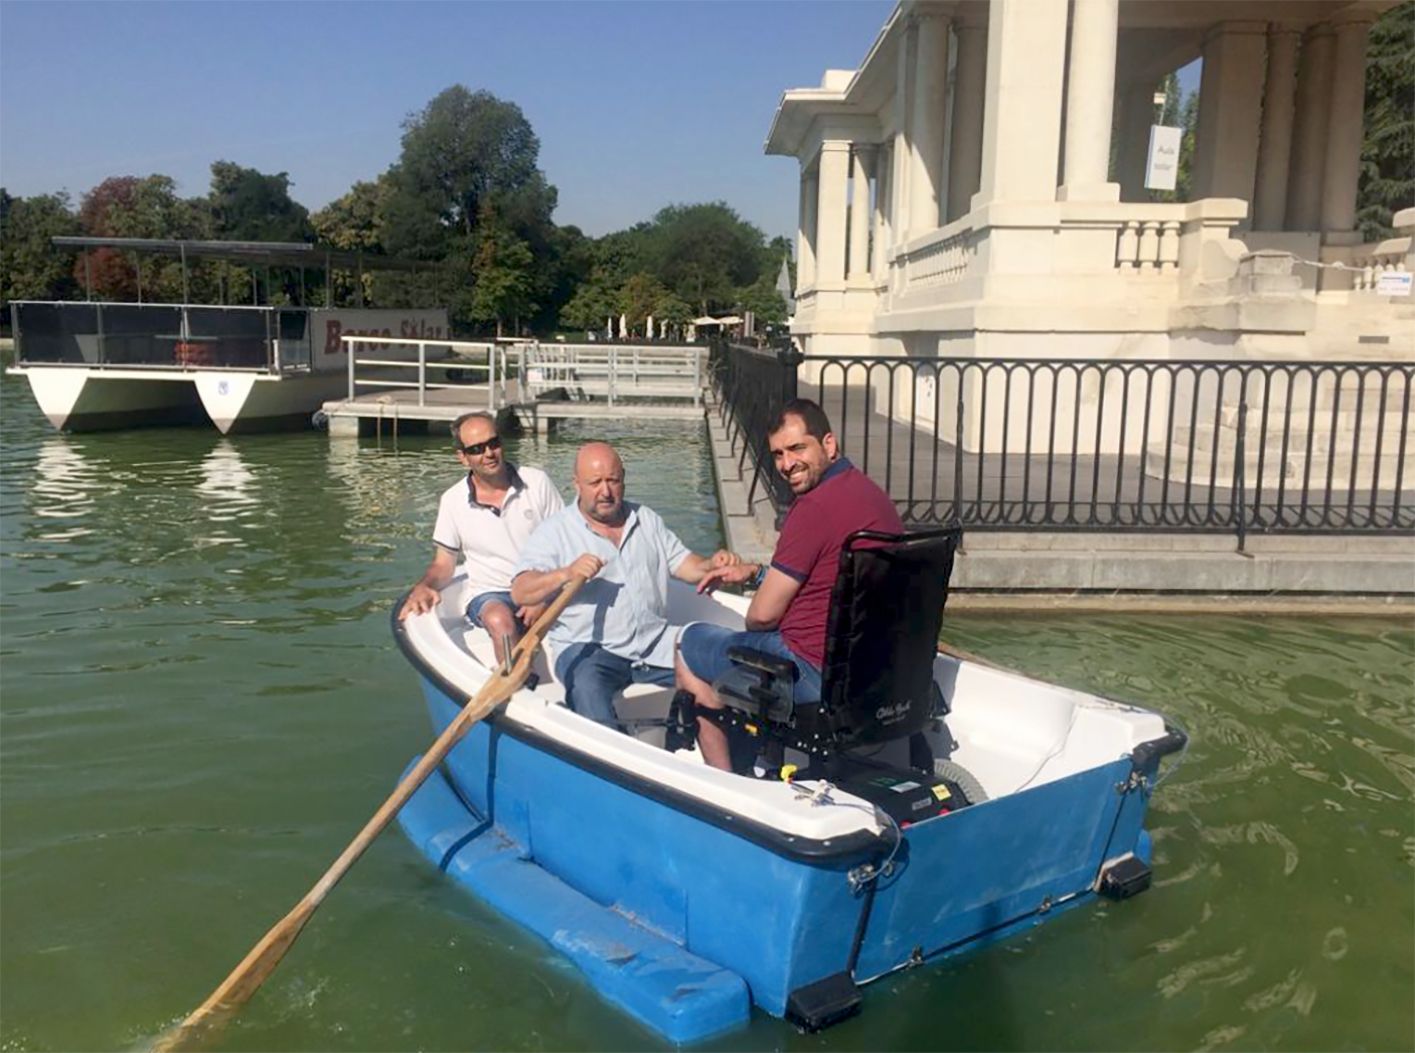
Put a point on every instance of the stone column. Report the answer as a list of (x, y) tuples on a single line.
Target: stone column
[(859, 261), (1022, 118), (1137, 113), (903, 111), (1345, 125), (1230, 110), (970, 84), (830, 214), (926, 123), (806, 234), (1090, 101), (1275, 144), (1309, 134), (880, 259)]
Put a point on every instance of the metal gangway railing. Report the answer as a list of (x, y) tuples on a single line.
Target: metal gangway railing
[(424, 366), (614, 372)]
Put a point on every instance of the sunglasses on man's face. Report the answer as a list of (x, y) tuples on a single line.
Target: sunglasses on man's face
[(476, 449)]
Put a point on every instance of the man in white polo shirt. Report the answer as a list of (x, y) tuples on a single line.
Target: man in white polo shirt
[(485, 519)]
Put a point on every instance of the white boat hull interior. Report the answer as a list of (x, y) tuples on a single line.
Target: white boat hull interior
[(1010, 732)]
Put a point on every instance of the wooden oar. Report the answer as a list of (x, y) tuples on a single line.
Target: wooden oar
[(247, 977)]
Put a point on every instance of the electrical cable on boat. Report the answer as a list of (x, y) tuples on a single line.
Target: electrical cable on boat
[(821, 795), (1061, 746)]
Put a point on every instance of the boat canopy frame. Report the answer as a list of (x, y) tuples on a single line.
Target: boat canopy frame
[(296, 255)]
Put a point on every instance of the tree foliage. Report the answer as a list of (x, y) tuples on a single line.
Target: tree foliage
[(463, 151), (247, 205), (688, 260), (133, 207), (1387, 181), (503, 285), (30, 267), (704, 253), (351, 223), (469, 162)]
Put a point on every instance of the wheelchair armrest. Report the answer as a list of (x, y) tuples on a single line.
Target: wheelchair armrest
[(781, 668)]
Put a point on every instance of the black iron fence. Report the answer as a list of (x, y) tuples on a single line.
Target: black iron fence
[(1100, 445), (161, 335)]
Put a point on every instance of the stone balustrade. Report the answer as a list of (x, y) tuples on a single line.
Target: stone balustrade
[(1136, 241), (939, 259), (1147, 246), (1376, 258)]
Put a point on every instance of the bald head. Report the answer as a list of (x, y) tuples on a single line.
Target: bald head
[(599, 483)]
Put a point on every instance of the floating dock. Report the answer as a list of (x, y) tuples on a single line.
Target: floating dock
[(539, 385)]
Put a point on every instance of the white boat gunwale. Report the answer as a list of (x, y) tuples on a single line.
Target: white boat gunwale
[(639, 766), (845, 849)]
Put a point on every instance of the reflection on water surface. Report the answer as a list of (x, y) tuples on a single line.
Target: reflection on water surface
[(200, 704)]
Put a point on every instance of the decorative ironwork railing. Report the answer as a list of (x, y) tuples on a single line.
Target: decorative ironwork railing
[(1102, 445)]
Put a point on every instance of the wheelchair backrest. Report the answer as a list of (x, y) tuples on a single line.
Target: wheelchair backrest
[(882, 634)]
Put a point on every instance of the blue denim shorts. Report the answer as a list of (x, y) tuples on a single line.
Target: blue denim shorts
[(480, 600), (704, 649)]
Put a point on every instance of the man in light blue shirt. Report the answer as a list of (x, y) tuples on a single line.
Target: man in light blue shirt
[(615, 632)]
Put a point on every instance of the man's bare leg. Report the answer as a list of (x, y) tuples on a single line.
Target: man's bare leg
[(712, 740), (501, 625)]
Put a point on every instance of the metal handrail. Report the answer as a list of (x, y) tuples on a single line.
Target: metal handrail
[(622, 369), (495, 367)]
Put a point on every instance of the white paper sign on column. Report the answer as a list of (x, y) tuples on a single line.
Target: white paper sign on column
[(1162, 163), (1393, 283)]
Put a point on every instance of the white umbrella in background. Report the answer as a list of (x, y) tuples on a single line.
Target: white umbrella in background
[(623, 327)]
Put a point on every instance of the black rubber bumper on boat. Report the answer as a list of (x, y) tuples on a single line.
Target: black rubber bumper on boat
[(1147, 753)]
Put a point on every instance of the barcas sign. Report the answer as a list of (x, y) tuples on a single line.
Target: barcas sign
[(394, 324)]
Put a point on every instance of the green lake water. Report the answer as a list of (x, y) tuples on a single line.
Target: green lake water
[(200, 704)]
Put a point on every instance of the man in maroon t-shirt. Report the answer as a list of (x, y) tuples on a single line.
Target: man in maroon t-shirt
[(788, 614)]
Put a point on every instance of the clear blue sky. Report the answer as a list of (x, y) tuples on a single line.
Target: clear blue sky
[(636, 104)]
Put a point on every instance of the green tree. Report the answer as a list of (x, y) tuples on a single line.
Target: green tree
[(704, 253), (132, 207), (640, 297), (563, 268), (350, 223), (31, 268), (762, 299), (462, 152), (502, 274), (1388, 152), (247, 205), (588, 308)]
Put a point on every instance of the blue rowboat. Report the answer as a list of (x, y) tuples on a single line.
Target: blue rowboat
[(688, 895)]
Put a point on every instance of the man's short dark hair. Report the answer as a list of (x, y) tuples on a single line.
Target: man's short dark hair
[(474, 415), (812, 416)]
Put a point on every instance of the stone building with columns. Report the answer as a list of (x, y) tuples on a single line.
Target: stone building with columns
[(976, 187)]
